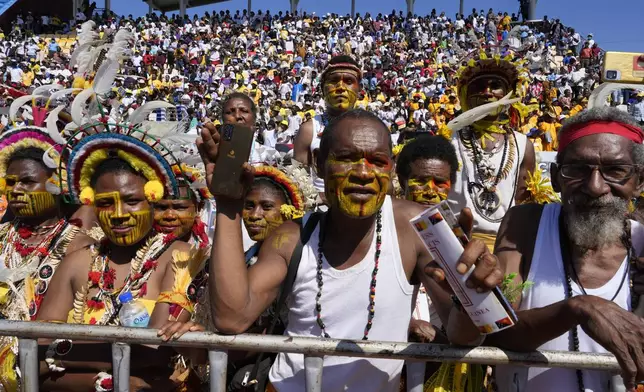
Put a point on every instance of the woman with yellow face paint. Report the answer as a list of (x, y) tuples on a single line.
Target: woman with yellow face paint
[(426, 167), (33, 244), (340, 82), (121, 172)]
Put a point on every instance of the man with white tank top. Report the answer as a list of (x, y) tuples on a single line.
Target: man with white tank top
[(357, 271), (340, 83), (580, 256)]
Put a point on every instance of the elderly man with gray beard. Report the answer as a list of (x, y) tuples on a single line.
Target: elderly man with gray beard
[(578, 255)]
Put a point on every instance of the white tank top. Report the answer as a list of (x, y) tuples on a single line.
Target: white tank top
[(459, 196), (344, 301), (318, 127), (547, 274)]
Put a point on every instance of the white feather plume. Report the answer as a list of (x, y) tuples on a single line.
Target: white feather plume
[(141, 114), (478, 113), (46, 90), (18, 103), (87, 33), (48, 160), (52, 127), (79, 104), (119, 50), (63, 93)]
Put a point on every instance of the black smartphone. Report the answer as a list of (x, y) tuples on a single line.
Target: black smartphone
[(235, 144)]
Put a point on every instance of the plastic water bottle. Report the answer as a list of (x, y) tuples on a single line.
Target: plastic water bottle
[(133, 313)]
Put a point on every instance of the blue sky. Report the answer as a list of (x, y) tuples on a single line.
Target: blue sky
[(616, 24)]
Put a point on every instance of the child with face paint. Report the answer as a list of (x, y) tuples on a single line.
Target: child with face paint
[(33, 244)]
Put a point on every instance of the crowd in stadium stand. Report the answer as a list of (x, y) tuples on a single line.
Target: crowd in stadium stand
[(409, 64), (122, 209)]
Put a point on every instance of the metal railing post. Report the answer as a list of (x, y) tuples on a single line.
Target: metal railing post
[(121, 366), (218, 360), (29, 367), (313, 366)]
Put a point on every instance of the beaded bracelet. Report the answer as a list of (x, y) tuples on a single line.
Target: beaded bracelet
[(59, 347)]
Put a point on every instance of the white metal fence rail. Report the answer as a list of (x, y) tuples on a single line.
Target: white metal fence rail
[(314, 350)]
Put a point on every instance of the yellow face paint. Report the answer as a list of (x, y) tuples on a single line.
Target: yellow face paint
[(349, 189), (28, 204), (174, 216), (339, 90), (260, 229), (123, 228), (427, 193)]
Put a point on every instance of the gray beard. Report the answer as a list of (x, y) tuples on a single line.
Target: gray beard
[(596, 223)]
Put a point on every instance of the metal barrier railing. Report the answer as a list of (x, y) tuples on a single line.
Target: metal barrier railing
[(314, 350)]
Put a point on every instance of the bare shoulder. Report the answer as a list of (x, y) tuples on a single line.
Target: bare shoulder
[(306, 131), (76, 263), (404, 210)]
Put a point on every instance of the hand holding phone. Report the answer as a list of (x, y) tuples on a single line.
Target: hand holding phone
[(225, 156)]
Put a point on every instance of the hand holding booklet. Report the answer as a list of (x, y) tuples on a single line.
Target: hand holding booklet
[(445, 240)]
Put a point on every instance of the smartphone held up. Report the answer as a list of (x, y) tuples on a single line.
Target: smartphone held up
[(235, 144)]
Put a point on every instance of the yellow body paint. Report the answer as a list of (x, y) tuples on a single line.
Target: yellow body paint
[(122, 228), (337, 92), (172, 221), (267, 223), (427, 193), (36, 203), (342, 181)]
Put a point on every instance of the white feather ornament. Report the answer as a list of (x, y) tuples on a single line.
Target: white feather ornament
[(141, 114), (79, 104), (87, 32), (18, 103), (48, 160), (46, 90), (473, 115), (599, 97), (52, 127), (57, 95), (52, 188)]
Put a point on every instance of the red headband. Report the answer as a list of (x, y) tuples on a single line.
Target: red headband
[(594, 127)]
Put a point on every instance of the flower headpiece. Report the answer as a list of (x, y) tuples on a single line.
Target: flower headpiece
[(296, 204)]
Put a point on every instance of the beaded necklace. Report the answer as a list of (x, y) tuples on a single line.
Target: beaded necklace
[(566, 257), (102, 277), (372, 289)]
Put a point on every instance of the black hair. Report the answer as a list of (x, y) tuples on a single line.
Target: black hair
[(267, 182), (112, 165), (357, 114), (238, 95), (31, 153), (426, 147)]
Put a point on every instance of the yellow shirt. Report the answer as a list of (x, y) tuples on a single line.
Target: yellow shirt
[(551, 130), (576, 109), (27, 78)]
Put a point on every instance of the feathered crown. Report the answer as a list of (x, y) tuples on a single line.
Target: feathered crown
[(97, 141), (26, 137), (508, 68), (288, 179)]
